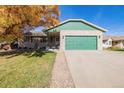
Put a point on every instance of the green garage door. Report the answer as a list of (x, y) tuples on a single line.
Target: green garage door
[(80, 43)]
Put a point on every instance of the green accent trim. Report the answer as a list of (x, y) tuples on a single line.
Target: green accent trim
[(72, 26), (75, 25)]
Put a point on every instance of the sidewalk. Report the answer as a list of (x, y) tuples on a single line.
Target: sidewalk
[(61, 77)]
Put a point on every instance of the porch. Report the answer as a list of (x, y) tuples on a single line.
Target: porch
[(53, 40), (35, 40)]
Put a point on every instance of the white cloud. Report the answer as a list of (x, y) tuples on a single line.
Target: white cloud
[(99, 15)]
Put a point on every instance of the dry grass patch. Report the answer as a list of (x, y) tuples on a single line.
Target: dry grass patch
[(26, 69)]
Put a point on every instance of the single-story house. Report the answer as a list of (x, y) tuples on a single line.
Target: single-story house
[(107, 42), (76, 34), (113, 41)]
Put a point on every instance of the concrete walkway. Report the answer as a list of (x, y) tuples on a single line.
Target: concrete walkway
[(61, 77), (96, 68)]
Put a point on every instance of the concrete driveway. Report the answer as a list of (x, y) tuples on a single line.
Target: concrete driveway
[(96, 68)]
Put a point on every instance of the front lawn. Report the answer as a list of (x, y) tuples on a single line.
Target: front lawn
[(115, 49), (26, 69)]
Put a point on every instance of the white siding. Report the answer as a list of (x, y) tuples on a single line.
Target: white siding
[(97, 33), (107, 43)]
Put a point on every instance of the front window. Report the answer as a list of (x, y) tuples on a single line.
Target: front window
[(57, 39), (27, 38), (31, 39), (41, 40)]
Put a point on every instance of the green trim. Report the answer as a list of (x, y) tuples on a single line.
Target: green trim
[(63, 26)]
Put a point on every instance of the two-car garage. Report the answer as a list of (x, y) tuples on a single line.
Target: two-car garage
[(80, 42), (77, 34)]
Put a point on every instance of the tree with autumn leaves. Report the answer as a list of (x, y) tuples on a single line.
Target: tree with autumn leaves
[(14, 20)]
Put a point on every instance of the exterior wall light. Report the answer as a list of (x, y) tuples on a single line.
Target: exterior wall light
[(62, 37), (99, 37)]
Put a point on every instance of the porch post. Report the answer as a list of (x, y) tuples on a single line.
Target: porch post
[(49, 40)]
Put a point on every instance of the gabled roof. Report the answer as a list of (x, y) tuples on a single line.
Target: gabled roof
[(114, 38), (35, 34), (80, 20), (107, 37)]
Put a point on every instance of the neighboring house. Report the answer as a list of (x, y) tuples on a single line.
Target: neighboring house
[(35, 40), (75, 34), (114, 41), (107, 42)]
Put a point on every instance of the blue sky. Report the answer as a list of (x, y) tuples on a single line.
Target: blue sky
[(108, 17)]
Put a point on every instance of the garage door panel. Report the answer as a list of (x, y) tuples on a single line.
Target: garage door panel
[(80, 42)]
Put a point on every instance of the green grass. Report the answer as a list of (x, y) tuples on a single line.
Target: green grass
[(115, 49), (26, 69)]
